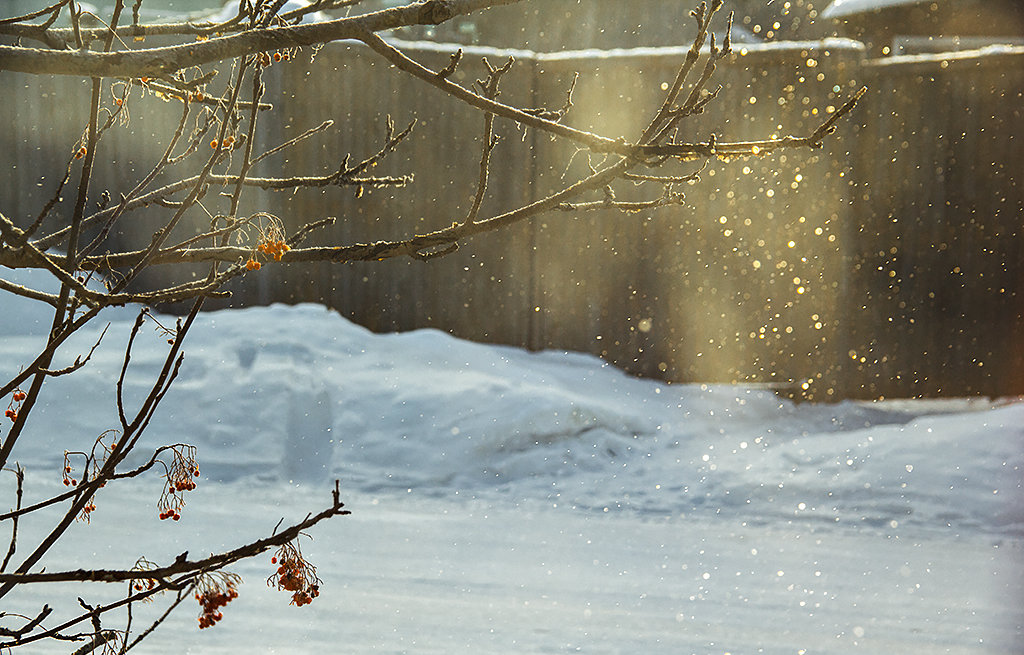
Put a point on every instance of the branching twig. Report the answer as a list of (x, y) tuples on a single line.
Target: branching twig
[(489, 88), (154, 62), (182, 566), (19, 474)]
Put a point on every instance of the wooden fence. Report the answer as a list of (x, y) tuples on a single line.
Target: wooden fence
[(934, 287), (887, 263)]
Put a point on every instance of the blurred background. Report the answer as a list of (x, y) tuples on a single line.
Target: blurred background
[(888, 263)]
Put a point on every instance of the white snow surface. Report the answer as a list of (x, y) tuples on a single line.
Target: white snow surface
[(840, 8), (515, 502)]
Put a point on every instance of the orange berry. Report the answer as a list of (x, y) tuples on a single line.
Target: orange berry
[(277, 56), (213, 144)]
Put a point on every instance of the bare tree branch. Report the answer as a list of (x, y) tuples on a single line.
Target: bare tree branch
[(154, 62), (181, 566)]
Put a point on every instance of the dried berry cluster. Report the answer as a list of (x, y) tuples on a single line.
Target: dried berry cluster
[(144, 585), (214, 592), (68, 480), (265, 58), (271, 243), (275, 249), (228, 142), (94, 462), (12, 410), (295, 574), (86, 511), (179, 478), (90, 507)]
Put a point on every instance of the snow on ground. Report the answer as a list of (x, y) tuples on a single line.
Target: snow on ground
[(518, 502), (841, 8)]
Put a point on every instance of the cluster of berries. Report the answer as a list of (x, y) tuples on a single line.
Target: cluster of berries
[(276, 248), (179, 479), (300, 598), (211, 601), (68, 480), (144, 585), (227, 143), (12, 411), (296, 575), (264, 59), (86, 511), (184, 484), (170, 514)]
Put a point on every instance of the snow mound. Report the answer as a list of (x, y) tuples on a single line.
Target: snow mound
[(300, 394)]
